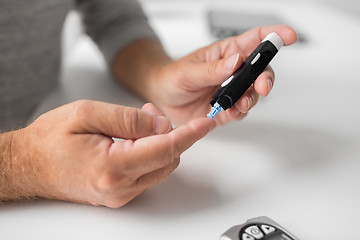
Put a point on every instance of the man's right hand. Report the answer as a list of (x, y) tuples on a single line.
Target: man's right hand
[(69, 153)]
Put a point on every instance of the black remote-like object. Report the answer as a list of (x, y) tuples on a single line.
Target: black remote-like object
[(261, 228), (237, 84)]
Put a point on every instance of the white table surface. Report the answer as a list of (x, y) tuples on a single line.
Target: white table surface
[(295, 158)]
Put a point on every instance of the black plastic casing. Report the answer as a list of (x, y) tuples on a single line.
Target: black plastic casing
[(245, 76), (280, 233)]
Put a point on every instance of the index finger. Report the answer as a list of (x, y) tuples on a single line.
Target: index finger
[(249, 40), (186, 135), (154, 152)]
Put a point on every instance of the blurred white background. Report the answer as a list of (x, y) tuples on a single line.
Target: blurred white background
[(295, 158), (351, 6)]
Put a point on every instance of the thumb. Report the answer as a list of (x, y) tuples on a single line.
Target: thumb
[(116, 121), (216, 72), (150, 108), (162, 123)]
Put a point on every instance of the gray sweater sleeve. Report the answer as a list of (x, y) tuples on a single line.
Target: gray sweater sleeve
[(113, 24)]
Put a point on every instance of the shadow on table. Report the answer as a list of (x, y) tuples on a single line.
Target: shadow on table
[(295, 146), (297, 150)]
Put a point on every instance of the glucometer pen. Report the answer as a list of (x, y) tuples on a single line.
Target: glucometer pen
[(237, 84)]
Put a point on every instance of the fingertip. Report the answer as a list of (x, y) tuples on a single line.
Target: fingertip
[(186, 135), (263, 86), (287, 34), (147, 106), (150, 108), (270, 84), (264, 83), (244, 104), (203, 124), (162, 125), (200, 127), (211, 123)]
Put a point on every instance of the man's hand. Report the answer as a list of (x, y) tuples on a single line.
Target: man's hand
[(69, 153), (188, 84), (183, 89)]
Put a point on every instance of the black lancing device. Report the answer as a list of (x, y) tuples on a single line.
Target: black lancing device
[(237, 84)]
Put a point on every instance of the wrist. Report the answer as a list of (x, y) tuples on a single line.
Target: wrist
[(139, 67), (155, 86), (5, 156), (16, 181)]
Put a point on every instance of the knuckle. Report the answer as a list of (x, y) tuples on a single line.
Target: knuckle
[(255, 98), (80, 109), (119, 201), (181, 72), (171, 148), (236, 114), (107, 182), (131, 121), (81, 104), (176, 163), (114, 190), (172, 166), (212, 71), (166, 171), (176, 151), (115, 203), (241, 116)]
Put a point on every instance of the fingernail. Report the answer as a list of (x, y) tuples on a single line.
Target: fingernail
[(162, 125), (250, 102), (270, 84), (231, 62)]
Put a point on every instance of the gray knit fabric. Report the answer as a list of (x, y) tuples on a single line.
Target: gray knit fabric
[(30, 46)]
